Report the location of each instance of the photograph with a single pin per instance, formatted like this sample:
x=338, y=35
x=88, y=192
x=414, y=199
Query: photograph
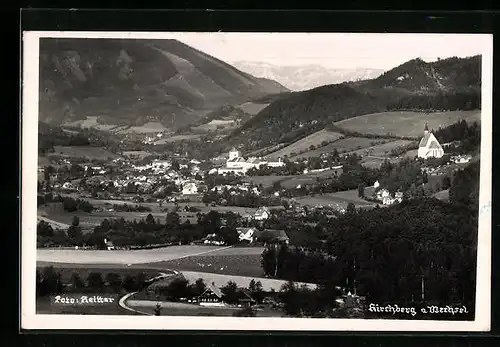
x=256, y=181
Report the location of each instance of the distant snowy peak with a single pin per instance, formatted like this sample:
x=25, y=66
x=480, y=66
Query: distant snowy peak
x=304, y=77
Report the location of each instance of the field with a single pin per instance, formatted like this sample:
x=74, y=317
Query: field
x=137, y=154
x=382, y=150
x=89, y=220
x=238, y=264
x=308, y=178
x=231, y=261
x=443, y=195
x=266, y=181
x=182, y=309
x=340, y=199
x=150, y=127
x=344, y=145
x=252, y=108
x=314, y=139
x=143, y=256
x=176, y=138
x=214, y=125
x=410, y=124
x=83, y=151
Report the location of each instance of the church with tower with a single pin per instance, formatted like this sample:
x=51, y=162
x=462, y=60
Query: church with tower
x=429, y=146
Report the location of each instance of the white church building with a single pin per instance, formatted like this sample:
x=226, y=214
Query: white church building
x=429, y=146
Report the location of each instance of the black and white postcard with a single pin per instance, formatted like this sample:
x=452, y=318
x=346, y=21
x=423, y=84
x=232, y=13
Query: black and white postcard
x=256, y=181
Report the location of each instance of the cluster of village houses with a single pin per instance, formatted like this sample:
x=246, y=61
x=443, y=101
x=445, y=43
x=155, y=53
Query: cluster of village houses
x=144, y=177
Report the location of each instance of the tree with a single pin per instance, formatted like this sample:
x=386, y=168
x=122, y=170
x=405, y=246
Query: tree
x=199, y=287
x=129, y=283
x=173, y=219
x=75, y=233
x=158, y=309
x=44, y=229
x=150, y=219
x=350, y=209
x=361, y=190
x=229, y=235
x=76, y=281
x=50, y=282
x=95, y=281
x=114, y=281
x=255, y=287
x=229, y=292
x=446, y=182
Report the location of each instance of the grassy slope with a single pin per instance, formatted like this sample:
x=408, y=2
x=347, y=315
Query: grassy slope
x=403, y=123
x=314, y=139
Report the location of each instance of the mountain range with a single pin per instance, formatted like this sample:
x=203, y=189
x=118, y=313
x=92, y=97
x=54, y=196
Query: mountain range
x=138, y=81
x=448, y=84
x=304, y=77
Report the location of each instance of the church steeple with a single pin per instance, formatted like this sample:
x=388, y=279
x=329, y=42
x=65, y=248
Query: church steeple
x=426, y=129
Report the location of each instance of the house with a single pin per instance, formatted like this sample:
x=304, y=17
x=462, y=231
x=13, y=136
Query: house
x=243, y=298
x=276, y=163
x=212, y=296
x=261, y=214
x=429, y=146
x=68, y=186
x=246, y=234
x=109, y=244
x=189, y=188
x=376, y=184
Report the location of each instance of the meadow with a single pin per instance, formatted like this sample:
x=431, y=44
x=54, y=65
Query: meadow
x=339, y=199
x=147, y=128
x=230, y=264
x=124, y=257
x=252, y=108
x=214, y=125
x=266, y=181
x=343, y=145
x=305, y=143
x=182, y=309
x=176, y=138
x=308, y=178
x=83, y=152
x=405, y=123
x=382, y=150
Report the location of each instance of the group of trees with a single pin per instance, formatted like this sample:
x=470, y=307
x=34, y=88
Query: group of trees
x=465, y=186
x=50, y=282
x=146, y=232
x=241, y=199
x=296, y=264
x=467, y=135
x=69, y=204
x=402, y=176
x=386, y=254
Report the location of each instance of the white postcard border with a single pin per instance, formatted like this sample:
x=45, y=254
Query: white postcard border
x=31, y=320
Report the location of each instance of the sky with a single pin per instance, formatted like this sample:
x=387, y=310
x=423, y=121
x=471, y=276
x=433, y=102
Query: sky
x=342, y=51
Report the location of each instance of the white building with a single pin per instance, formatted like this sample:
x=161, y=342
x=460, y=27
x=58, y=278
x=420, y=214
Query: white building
x=233, y=154
x=429, y=146
x=261, y=214
x=246, y=234
x=189, y=188
x=278, y=163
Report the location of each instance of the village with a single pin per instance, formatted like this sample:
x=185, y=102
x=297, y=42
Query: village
x=191, y=187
